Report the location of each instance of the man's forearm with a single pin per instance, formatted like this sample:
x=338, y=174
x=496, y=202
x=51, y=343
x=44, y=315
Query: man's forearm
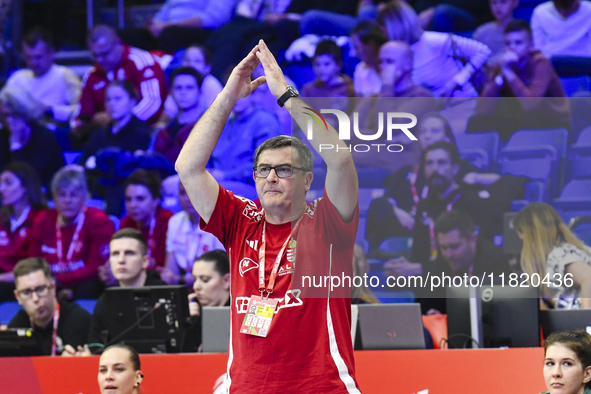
x=322, y=136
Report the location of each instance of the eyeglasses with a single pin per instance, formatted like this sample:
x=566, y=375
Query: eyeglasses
x=41, y=291
x=282, y=171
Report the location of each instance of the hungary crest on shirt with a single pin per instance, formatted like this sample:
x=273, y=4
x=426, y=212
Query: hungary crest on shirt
x=291, y=250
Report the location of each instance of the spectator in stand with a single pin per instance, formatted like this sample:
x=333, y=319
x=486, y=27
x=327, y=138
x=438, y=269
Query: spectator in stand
x=562, y=31
x=185, y=242
x=396, y=65
x=462, y=251
x=116, y=60
x=231, y=161
x=129, y=262
x=23, y=139
x=54, y=322
x=199, y=58
x=492, y=33
x=394, y=214
x=72, y=238
x=252, y=21
x=180, y=23
x=185, y=85
x=441, y=163
x=125, y=130
x=438, y=57
x=22, y=201
x=367, y=38
x=329, y=81
x=48, y=91
x=528, y=75
x=567, y=363
x=551, y=250
x=330, y=23
x=451, y=15
x=142, y=202
x=211, y=276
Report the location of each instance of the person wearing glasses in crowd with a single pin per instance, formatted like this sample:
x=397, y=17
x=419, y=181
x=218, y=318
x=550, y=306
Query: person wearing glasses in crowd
x=54, y=323
x=72, y=238
x=22, y=201
x=300, y=323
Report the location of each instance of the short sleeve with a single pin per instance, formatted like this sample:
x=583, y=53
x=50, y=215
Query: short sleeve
x=563, y=255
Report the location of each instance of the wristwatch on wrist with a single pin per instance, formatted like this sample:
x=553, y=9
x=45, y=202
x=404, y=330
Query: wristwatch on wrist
x=289, y=93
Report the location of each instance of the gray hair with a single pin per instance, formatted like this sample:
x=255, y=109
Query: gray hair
x=305, y=154
x=72, y=174
x=400, y=22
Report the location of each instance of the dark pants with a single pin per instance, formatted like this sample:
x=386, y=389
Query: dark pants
x=171, y=39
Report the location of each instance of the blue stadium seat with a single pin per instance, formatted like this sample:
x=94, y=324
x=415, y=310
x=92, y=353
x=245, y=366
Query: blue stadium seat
x=88, y=305
x=579, y=159
x=116, y=221
x=575, y=84
x=542, y=169
x=70, y=157
x=371, y=177
x=396, y=244
x=96, y=203
x=575, y=199
x=8, y=310
x=366, y=196
x=480, y=149
x=533, y=191
x=533, y=148
x=584, y=138
x=526, y=8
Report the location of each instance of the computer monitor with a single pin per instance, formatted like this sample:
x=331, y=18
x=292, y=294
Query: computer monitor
x=509, y=316
x=16, y=342
x=152, y=319
x=391, y=326
x=557, y=320
x=215, y=322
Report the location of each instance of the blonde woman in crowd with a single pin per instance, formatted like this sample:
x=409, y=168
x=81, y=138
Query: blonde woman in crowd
x=551, y=250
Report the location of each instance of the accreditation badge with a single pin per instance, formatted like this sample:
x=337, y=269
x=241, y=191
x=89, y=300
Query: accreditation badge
x=258, y=316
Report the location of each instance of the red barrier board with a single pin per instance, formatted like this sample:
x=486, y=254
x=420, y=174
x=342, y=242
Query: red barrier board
x=487, y=371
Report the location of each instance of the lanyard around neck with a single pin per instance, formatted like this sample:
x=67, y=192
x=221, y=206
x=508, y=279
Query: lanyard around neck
x=262, y=257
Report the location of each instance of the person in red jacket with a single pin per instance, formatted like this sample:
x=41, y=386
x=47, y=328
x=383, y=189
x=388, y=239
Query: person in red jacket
x=72, y=238
x=116, y=60
x=22, y=201
x=142, y=203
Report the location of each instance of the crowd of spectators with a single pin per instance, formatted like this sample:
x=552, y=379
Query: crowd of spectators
x=125, y=101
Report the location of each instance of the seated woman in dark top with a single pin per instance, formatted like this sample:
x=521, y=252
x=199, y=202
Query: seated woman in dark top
x=23, y=139
x=125, y=130
x=406, y=187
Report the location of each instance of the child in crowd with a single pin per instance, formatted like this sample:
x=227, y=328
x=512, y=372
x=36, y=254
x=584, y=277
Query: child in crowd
x=491, y=33
x=329, y=81
x=526, y=74
x=199, y=58
x=367, y=38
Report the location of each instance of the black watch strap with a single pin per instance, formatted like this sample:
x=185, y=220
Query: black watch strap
x=289, y=93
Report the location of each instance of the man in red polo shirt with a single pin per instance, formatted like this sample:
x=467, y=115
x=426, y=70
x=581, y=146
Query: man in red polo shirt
x=116, y=60
x=284, y=337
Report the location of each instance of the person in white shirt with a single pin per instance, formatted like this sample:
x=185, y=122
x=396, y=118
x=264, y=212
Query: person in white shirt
x=185, y=243
x=49, y=92
x=562, y=28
